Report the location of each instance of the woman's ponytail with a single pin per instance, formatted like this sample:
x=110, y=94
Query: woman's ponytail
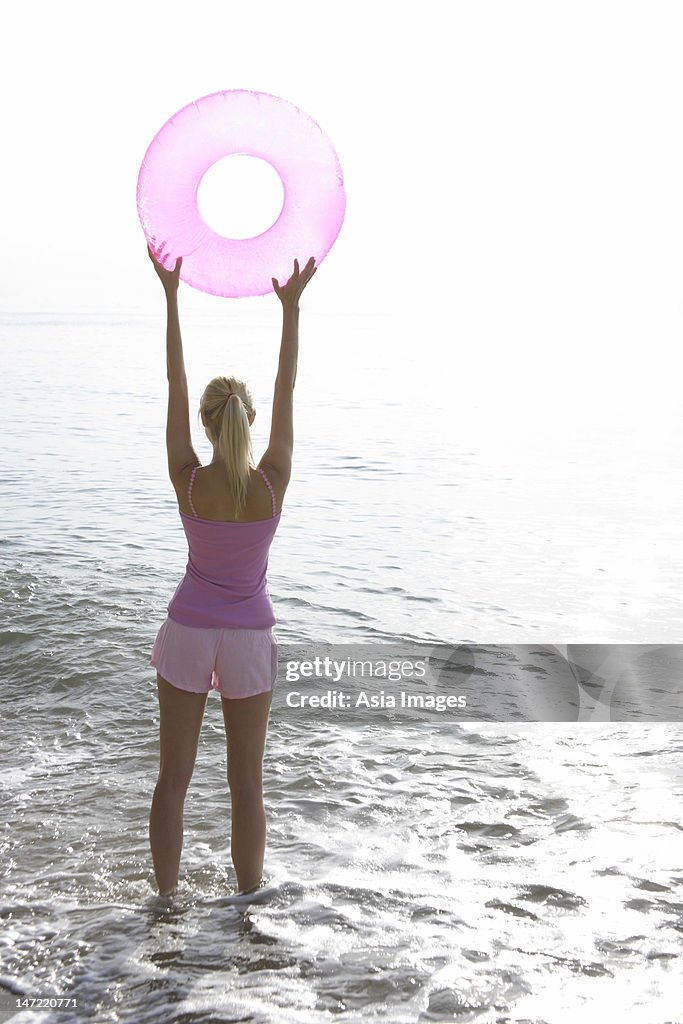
x=226, y=407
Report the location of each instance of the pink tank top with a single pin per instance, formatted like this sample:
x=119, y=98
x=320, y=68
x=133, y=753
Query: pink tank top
x=225, y=584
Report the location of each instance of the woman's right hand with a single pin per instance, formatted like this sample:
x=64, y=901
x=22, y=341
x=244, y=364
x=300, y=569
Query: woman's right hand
x=289, y=293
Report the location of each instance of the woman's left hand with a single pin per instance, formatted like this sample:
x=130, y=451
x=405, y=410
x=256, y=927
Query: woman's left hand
x=169, y=278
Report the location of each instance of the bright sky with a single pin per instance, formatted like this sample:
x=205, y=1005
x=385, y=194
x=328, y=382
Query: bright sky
x=514, y=171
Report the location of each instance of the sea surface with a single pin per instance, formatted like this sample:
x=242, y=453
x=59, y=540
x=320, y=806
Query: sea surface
x=429, y=869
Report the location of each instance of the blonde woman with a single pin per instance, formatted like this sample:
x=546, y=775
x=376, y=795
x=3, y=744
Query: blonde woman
x=218, y=633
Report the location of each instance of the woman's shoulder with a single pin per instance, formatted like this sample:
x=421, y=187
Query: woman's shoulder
x=181, y=477
x=181, y=480
x=277, y=484
x=274, y=474
x=207, y=486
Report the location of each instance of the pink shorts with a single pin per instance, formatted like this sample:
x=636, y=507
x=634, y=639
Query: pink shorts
x=234, y=662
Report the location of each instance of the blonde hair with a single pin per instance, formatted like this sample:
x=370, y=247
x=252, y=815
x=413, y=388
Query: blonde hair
x=227, y=421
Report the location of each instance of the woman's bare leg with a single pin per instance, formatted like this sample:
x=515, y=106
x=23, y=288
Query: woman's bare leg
x=181, y=714
x=246, y=727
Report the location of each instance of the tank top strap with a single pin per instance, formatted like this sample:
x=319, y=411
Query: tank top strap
x=189, y=492
x=269, y=486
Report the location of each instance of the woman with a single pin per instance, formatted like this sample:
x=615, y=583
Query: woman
x=219, y=627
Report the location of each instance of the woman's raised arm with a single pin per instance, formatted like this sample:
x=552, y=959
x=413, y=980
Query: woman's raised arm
x=281, y=443
x=180, y=451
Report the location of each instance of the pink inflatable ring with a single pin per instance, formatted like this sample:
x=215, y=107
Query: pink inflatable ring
x=259, y=125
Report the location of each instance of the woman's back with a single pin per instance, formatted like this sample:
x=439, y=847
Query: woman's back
x=203, y=492
x=225, y=584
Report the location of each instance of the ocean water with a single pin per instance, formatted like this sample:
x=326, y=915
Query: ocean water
x=415, y=871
